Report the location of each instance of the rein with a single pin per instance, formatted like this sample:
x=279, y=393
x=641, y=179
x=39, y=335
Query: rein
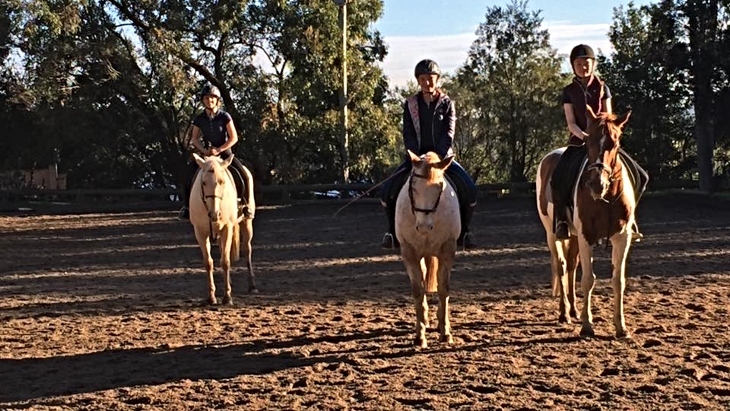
x=367, y=192
x=415, y=209
x=612, y=178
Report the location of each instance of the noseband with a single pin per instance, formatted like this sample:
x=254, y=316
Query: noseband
x=415, y=209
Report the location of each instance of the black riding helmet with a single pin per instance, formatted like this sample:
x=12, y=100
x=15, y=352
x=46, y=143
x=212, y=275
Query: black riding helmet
x=581, y=50
x=427, y=67
x=210, y=90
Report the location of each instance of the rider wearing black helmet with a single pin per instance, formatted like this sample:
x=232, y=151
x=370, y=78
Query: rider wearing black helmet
x=214, y=134
x=586, y=89
x=429, y=120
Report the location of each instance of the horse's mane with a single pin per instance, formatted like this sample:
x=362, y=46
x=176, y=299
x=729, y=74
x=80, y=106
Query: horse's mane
x=431, y=158
x=608, y=120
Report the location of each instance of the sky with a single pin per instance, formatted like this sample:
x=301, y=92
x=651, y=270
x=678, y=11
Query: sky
x=443, y=30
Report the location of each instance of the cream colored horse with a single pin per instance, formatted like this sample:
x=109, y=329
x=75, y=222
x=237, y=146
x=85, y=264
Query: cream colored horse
x=214, y=215
x=427, y=224
x=604, y=207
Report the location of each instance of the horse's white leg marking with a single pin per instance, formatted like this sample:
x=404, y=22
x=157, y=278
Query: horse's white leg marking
x=587, y=283
x=446, y=261
x=203, y=238
x=414, y=268
x=572, y=267
x=246, y=237
x=225, y=249
x=620, y=242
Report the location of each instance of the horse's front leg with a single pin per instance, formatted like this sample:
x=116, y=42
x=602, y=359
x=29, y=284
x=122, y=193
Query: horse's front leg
x=558, y=265
x=572, y=260
x=446, y=261
x=246, y=233
x=416, y=274
x=226, y=237
x=620, y=243
x=203, y=238
x=587, y=283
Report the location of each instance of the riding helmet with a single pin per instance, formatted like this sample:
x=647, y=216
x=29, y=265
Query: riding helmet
x=427, y=66
x=581, y=50
x=210, y=90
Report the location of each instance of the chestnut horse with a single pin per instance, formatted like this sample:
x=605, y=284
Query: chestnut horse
x=427, y=224
x=604, y=207
x=214, y=215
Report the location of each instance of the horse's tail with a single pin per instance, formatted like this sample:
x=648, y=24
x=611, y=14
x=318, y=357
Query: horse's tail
x=432, y=268
x=236, y=243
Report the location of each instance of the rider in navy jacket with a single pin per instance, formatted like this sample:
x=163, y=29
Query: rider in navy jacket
x=429, y=120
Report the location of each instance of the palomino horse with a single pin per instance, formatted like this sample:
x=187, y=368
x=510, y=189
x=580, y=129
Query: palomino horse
x=604, y=208
x=214, y=215
x=427, y=224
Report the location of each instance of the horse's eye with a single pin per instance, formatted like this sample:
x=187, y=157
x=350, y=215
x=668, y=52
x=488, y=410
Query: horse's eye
x=220, y=181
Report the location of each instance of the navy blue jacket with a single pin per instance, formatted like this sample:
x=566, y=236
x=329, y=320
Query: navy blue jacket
x=425, y=131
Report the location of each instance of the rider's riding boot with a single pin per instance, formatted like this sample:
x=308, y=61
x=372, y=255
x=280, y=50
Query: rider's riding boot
x=389, y=239
x=243, y=209
x=390, y=242
x=466, y=239
x=562, y=231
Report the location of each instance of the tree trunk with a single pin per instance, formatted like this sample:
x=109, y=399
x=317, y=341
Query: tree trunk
x=702, y=16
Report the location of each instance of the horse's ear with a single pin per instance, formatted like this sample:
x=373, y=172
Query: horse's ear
x=590, y=113
x=414, y=158
x=622, y=119
x=443, y=164
x=198, y=159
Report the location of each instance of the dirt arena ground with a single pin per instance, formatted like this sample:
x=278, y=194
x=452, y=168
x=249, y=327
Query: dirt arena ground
x=106, y=312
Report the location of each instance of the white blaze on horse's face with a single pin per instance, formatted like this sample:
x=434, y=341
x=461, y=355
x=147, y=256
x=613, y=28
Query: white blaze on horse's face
x=602, y=143
x=213, y=185
x=425, y=187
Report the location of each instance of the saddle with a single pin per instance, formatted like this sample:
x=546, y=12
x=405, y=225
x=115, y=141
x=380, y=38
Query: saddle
x=577, y=164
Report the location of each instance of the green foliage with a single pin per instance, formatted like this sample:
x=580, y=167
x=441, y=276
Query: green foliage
x=508, y=109
x=648, y=74
x=109, y=88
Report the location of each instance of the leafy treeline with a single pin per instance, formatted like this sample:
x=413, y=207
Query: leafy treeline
x=107, y=88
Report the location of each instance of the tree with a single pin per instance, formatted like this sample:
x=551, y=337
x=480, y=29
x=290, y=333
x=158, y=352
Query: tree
x=648, y=74
x=512, y=113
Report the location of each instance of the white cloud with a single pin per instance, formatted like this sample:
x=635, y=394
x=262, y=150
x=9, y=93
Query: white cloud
x=450, y=51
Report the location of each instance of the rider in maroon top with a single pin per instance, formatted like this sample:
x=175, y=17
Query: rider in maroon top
x=586, y=89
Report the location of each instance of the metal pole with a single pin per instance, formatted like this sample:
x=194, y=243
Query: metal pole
x=344, y=138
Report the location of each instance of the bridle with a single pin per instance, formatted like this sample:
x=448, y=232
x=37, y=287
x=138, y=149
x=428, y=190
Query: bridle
x=202, y=192
x=603, y=167
x=415, y=209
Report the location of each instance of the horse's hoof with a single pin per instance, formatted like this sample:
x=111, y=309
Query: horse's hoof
x=447, y=338
x=227, y=301
x=623, y=335
x=212, y=301
x=587, y=332
x=253, y=290
x=564, y=319
x=420, y=342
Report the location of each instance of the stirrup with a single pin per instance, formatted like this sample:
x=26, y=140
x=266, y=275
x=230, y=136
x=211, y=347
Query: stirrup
x=636, y=235
x=184, y=214
x=244, y=211
x=389, y=242
x=466, y=241
x=562, y=231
